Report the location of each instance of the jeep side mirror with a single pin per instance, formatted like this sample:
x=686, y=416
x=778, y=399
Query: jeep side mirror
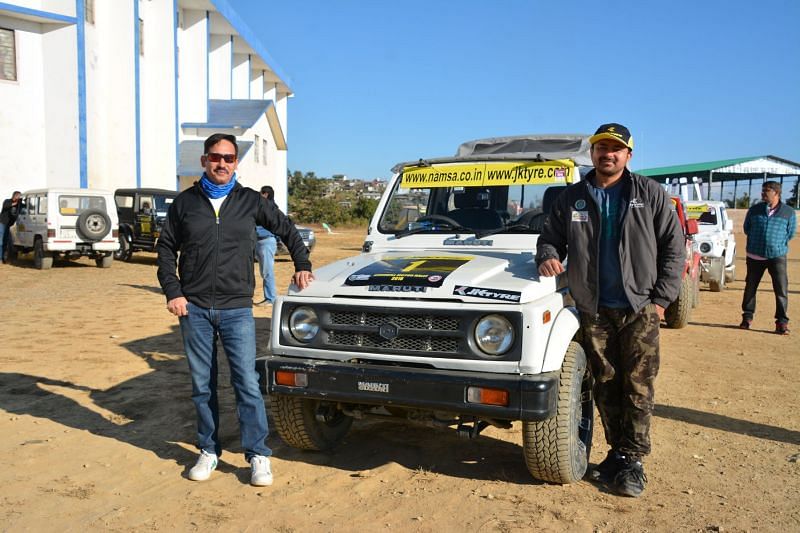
x=692, y=227
x=729, y=225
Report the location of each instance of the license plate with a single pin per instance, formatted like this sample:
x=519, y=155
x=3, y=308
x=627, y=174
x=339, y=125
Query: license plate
x=68, y=234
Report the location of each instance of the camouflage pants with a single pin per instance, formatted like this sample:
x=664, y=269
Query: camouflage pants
x=622, y=347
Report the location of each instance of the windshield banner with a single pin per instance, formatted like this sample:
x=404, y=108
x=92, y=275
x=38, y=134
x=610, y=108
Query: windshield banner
x=697, y=210
x=488, y=174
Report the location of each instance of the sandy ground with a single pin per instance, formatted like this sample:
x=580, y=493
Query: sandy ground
x=98, y=429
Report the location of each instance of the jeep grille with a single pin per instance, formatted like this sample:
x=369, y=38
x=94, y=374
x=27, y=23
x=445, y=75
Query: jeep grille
x=410, y=332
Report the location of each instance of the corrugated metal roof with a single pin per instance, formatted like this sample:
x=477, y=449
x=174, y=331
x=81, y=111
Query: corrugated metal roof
x=190, y=152
x=695, y=167
x=226, y=114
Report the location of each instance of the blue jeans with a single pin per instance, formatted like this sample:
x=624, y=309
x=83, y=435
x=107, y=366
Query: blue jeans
x=3, y=233
x=265, y=248
x=237, y=331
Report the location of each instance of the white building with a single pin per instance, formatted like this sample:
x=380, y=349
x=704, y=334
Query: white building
x=121, y=93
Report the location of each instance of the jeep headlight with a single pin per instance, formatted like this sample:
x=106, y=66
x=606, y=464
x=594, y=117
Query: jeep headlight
x=304, y=324
x=705, y=247
x=494, y=335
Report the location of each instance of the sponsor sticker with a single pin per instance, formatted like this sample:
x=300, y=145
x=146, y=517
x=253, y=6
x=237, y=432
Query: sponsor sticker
x=489, y=294
x=580, y=204
x=580, y=216
x=488, y=174
x=416, y=271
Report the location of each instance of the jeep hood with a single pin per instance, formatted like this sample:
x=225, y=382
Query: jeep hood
x=467, y=276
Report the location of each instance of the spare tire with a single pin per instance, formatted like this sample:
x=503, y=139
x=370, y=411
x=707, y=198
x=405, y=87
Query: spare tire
x=93, y=225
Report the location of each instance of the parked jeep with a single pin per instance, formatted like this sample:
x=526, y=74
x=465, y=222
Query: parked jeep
x=141, y=215
x=65, y=223
x=443, y=318
x=678, y=313
x=309, y=239
x=715, y=241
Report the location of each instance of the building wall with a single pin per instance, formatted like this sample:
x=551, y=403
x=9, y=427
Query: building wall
x=158, y=141
x=61, y=149
x=134, y=102
x=23, y=133
x=192, y=66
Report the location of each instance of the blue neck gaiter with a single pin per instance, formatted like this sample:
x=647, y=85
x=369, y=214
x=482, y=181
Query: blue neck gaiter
x=214, y=191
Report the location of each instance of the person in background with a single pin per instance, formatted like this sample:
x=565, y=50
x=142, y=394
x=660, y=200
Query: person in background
x=8, y=216
x=625, y=251
x=769, y=226
x=212, y=226
x=266, y=245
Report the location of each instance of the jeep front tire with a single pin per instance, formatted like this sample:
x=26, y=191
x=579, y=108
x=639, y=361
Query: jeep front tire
x=557, y=449
x=308, y=424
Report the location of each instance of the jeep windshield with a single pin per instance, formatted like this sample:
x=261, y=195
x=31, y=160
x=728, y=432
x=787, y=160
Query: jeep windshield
x=707, y=217
x=483, y=198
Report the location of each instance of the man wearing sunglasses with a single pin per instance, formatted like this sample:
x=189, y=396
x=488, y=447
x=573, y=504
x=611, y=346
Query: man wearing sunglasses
x=212, y=226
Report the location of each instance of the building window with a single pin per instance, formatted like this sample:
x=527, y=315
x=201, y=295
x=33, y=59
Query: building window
x=88, y=11
x=8, y=55
x=257, y=146
x=141, y=37
x=264, y=145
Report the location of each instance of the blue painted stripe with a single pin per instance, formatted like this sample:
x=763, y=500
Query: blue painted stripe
x=137, y=95
x=82, y=144
x=208, y=62
x=177, y=127
x=47, y=15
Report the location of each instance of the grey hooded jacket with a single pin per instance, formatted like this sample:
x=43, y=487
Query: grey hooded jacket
x=652, y=253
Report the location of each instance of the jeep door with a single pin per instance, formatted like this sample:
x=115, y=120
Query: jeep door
x=27, y=221
x=144, y=207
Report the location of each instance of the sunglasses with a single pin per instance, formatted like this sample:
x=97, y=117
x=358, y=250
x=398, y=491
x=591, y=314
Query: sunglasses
x=216, y=158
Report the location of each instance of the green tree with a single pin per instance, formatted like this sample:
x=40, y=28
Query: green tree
x=792, y=200
x=743, y=202
x=364, y=208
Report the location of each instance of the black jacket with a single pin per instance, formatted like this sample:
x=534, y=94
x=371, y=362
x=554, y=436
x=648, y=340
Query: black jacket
x=7, y=215
x=651, y=248
x=217, y=254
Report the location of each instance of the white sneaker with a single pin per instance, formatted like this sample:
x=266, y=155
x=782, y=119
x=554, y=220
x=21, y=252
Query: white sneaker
x=260, y=471
x=206, y=464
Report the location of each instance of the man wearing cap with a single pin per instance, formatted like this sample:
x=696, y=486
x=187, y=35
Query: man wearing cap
x=625, y=253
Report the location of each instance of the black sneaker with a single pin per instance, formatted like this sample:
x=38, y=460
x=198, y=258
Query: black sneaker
x=607, y=470
x=630, y=480
x=745, y=324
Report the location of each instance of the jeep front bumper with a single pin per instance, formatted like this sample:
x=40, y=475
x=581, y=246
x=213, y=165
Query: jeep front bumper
x=530, y=397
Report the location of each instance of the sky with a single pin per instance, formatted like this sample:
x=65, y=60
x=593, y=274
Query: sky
x=377, y=82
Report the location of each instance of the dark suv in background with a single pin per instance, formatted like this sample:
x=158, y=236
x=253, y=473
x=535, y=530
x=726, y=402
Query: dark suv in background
x=141, y=214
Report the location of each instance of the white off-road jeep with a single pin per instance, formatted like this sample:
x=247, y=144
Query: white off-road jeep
x=443, y=318
x=67, y=223
x=715, y=241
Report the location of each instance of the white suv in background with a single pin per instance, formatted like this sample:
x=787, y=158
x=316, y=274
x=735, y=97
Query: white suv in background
x=66, y=223
x=715, y=242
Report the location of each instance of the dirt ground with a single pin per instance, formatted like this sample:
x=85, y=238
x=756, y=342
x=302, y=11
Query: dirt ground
x=98, y=429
